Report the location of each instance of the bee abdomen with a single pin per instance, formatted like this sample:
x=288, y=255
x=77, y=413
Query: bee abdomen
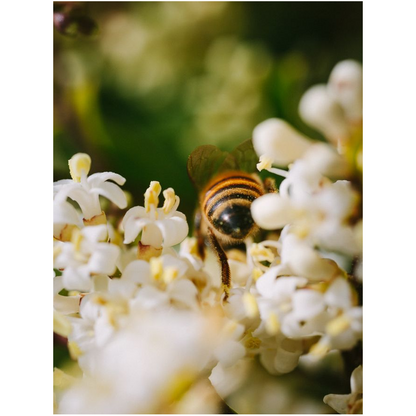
x=227, y=205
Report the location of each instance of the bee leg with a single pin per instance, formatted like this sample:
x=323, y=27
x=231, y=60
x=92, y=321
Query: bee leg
x=270, y=185
x=200, y=238
x=222, y=258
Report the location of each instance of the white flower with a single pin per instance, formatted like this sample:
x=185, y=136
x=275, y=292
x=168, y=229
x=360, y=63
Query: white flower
x=85, y=190
x=84, y=256
x=160, y=227
x=345, y=326
x=275, y=298
x=349, y=403
x=162, y=283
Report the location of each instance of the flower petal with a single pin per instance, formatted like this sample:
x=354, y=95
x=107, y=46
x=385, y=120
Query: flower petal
x=174, y=230
x=271, y=211
x=112, y=192
x=279, y=141
x=96, y=179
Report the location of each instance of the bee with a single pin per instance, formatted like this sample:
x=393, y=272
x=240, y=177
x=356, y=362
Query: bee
x=227, y=187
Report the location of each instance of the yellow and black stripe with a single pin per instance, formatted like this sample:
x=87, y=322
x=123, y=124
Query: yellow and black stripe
x=226, y=203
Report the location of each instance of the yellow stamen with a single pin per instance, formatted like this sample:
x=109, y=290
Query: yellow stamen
x=250, y=305
x=272, y=324
x=264, y=163
x=79, y=164
x=114, y=310
x=151, y=196
x=170, y=273
x=192, y=246
x=256, y=273
x=261, y=253
x=170, y=200
x=156, y=268
x=76, y=239
x=338, y=325
x=252, y=343
x=319, y=349
x=74, y=350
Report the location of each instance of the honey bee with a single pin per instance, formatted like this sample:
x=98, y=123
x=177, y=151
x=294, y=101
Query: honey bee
x=227, y=187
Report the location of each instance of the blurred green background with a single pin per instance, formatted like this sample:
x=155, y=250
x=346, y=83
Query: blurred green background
x=157, y=79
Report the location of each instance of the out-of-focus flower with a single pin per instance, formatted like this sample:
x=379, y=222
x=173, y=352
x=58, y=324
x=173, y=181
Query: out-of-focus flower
x=335, y=109
x=86, y=254
x=349, y=403
x=344, y=325
x=159, y=227
x=135, y=372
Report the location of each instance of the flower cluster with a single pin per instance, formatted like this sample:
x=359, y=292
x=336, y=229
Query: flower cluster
x=143, y=315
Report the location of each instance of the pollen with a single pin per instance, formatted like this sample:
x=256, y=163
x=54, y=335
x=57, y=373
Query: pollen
x=76, y=239
x=250, y=305
x=265, y=162
x=252, y=343
x=170, y=273
x=79, y=164
x=257, y=273
x=319, y=349
x=272, y=324
x=156, y=268
x=261, y=253
x=338, y=325
x=170, y=200
x=151, y=196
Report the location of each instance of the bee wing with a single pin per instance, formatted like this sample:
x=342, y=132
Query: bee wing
x=243, y=157
x=203, y=163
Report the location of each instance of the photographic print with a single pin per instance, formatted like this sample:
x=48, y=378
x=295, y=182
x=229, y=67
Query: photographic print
x=207, y=207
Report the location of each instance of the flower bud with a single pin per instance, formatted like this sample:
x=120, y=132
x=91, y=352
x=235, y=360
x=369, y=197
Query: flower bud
x=346, y=86
x=320, y=110
x=279, y=141
x=271, y=211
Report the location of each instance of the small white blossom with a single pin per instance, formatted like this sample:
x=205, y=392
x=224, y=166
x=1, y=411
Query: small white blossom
x=85, y=190
x=162, y=282
x=160, y=227
x=86, y=254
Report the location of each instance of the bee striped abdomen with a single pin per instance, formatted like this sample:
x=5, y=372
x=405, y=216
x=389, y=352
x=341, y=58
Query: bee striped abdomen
x=227, y=201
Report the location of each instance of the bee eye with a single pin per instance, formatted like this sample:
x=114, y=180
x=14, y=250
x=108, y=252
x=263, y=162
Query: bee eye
x=235, y=221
